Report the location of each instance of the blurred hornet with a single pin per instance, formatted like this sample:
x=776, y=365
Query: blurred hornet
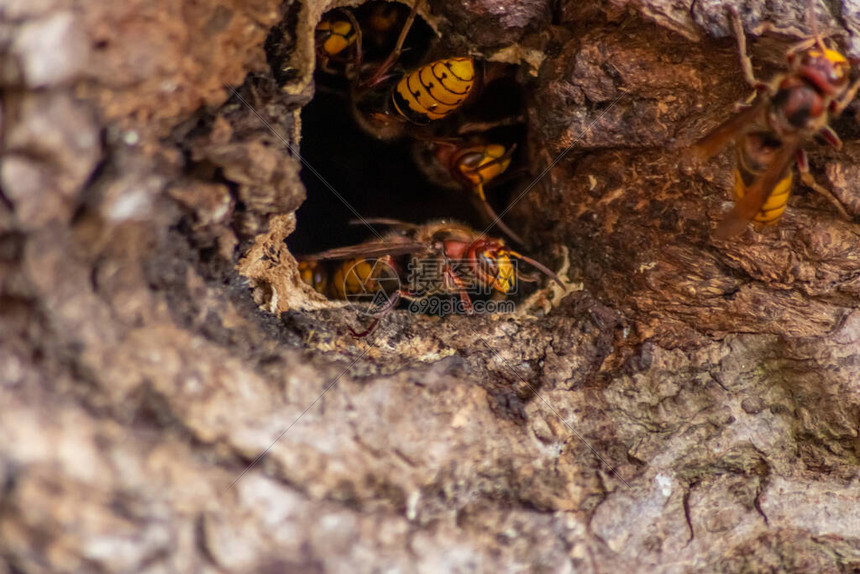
x=385, y=103
x=344, y=37
x=442, y=258
x=338, y=41
x=466, y=164
x=380, y=21
x=791, y=109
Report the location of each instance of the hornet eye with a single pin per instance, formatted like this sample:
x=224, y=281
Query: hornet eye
x=472, y=160
x=489, y=262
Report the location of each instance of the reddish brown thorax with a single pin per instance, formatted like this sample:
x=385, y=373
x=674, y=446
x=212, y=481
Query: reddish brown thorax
x=798, y=101
x=454, y=248
x=484, y=246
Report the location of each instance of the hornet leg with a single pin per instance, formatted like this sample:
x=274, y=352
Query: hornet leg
x=809, y=181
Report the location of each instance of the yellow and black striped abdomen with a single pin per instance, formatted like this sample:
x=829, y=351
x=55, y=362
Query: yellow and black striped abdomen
x=361, y=279
x=434, y=91
x=775, y=204
x=756, y=151
x=334, y=35
x=338, y=279
x=354, y=279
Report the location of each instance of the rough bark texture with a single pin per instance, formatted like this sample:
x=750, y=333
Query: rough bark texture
x=172, y=399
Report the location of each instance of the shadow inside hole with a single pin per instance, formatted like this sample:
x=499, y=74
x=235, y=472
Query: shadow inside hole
x=367, y=178
x=351, y=175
